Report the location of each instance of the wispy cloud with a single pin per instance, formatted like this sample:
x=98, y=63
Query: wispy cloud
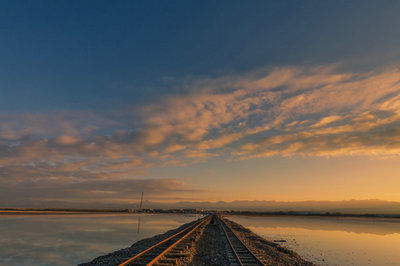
x=285, y=111
x=90, y=193
x=309, y=111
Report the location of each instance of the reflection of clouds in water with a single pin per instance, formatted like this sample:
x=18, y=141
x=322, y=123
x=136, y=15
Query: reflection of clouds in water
x=349, y=224
x=158, y=222
x=28, y=253
x=66, y=240
x=332, y=241
x=98, y=230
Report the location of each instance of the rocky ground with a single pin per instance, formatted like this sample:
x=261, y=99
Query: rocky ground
x=122, y=255
x=211, y=248
x=268, y=252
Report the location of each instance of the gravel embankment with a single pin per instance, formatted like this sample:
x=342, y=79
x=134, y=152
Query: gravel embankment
x=211, y=248
x=268, y=252
x=122, y=255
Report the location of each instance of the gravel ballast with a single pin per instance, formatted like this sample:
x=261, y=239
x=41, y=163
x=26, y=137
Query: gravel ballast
x=119, y=256
x=268, y=252
x=211, y=248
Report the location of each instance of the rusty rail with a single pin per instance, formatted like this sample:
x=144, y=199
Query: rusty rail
x=243, y=255
x=185, y=232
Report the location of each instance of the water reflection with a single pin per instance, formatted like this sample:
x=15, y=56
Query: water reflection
x=332, y=240
x=379, y=226
x=138, y=224
x=72, y=239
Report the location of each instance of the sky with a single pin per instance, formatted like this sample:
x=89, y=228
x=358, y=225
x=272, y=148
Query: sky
x=198, y=101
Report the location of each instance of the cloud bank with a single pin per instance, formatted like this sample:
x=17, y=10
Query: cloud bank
x=287, y=111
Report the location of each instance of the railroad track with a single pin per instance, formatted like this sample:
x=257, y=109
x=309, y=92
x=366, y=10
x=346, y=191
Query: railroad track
x=239, y=254
x=170, y=250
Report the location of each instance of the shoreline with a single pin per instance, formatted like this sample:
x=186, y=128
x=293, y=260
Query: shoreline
x=26, y=211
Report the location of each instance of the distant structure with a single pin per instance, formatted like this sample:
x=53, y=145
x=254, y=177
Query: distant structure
x=141, y=202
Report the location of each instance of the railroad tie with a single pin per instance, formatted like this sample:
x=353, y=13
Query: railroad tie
x=172, y=249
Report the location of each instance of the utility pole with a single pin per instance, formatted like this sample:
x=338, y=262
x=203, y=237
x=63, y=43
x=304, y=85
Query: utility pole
x=141, y=202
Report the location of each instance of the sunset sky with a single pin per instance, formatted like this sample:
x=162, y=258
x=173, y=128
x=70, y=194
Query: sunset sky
x=198, y=101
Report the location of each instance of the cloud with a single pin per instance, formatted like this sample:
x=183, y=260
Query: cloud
x=92, y=192
x=293, y=107
x=66, y=140
x=287, y=111
x=327, y=120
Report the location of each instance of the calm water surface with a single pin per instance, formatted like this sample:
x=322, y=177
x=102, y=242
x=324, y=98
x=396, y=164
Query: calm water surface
x=332, y=240
x=73, y=239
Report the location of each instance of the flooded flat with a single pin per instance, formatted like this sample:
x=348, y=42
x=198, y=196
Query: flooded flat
x=73, y=239
x=332, y=240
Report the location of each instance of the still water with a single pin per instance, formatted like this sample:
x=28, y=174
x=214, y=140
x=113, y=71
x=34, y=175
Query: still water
x=332, y=240
x=73, y=239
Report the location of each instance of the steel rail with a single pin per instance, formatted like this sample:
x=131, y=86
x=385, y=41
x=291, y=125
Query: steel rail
x=194, y=226
x=231, y=245
x=177, y=242
x=240, y=260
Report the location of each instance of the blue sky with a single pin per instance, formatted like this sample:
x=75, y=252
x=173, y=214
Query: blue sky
x=99, y=95
x=69, y=54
